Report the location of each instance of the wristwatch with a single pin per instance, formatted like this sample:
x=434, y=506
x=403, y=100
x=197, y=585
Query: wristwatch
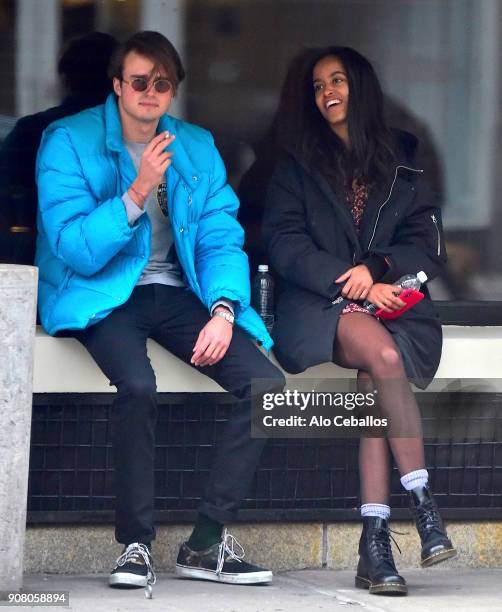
x=225, y=314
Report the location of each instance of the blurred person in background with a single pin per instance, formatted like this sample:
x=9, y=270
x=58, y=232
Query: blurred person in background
x=82, y=69
x=253, y=184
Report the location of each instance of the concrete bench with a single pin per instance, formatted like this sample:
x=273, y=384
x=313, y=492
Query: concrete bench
x=62, y=365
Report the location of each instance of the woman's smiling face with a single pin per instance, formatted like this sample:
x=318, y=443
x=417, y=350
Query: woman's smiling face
x=331, y=91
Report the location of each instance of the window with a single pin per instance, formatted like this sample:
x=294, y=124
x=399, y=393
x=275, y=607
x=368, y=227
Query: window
x=439, y=62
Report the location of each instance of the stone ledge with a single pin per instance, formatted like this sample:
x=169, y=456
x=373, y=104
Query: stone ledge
x=93, y=549
x=279, y=546
x=62, y=365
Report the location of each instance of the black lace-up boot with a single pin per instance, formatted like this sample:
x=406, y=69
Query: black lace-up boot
x=376, y=570
x=436, y=546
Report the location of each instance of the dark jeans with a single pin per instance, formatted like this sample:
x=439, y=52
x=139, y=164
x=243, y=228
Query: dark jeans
x=172, y=316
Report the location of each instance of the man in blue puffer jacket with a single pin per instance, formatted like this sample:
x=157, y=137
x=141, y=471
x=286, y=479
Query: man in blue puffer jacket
x=138, y=238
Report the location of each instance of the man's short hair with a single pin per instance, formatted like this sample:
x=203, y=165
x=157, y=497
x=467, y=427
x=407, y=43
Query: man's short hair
x=154, y=46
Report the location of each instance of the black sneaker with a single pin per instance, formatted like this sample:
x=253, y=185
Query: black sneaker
x=220, y=563
x=133, y=569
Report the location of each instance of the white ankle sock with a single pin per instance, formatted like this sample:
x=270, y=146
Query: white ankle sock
x=380, y=510
x=418, y=478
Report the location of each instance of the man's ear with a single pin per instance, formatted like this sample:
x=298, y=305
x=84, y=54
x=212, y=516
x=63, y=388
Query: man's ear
x=117, y=88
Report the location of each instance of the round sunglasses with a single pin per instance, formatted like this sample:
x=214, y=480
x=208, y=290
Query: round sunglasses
x=142, y=84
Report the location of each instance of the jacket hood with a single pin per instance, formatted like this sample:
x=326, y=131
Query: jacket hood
x=407, y=146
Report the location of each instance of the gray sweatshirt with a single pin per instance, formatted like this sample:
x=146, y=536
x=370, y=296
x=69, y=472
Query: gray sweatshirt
x=163, y=266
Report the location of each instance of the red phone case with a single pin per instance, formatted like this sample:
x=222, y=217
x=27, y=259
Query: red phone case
x=410, y=296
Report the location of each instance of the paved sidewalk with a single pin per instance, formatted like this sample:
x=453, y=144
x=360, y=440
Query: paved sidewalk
x=433, y=590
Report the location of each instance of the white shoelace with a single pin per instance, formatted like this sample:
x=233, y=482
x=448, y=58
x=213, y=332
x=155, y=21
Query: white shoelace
x=226, y=547
x=132, y=553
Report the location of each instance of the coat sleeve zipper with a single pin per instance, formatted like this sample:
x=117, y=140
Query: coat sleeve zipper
x=337, y=300
x=434, y=220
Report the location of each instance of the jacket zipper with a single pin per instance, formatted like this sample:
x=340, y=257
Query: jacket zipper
x=435, y=221
x=388, y=198
x=339, y=299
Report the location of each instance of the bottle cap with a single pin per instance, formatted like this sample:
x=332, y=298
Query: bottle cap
x=262, y=268
x=422, y=276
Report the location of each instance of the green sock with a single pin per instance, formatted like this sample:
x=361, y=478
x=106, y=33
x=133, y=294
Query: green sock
x=205, y=533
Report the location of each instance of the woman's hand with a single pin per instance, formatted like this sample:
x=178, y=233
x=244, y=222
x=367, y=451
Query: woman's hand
x=359, y=282
x=385, y=296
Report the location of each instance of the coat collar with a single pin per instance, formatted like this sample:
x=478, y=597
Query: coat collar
x=181, y=161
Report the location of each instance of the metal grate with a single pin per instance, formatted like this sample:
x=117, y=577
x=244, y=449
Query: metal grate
x=71, y=473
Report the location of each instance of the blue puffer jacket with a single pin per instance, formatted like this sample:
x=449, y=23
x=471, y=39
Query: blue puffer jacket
x=89, y=257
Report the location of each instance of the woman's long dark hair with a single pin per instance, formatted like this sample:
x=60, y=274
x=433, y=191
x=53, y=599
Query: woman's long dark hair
x=299, y=127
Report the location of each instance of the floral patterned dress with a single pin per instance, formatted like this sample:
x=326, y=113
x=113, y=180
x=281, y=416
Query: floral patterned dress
x=356, y=201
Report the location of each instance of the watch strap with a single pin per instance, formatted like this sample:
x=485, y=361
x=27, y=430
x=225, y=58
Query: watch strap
x=228, y=316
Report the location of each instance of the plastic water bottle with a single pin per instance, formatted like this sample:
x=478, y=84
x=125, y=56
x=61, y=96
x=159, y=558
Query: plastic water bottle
x=408, y=281
x=262, y=296
x=412, y=281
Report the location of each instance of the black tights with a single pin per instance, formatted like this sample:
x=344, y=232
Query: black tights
x=363, y=343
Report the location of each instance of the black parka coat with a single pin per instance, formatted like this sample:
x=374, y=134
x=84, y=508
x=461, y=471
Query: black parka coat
x=311, y=240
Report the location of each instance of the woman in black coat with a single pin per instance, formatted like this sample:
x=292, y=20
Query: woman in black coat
x=347, y=214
